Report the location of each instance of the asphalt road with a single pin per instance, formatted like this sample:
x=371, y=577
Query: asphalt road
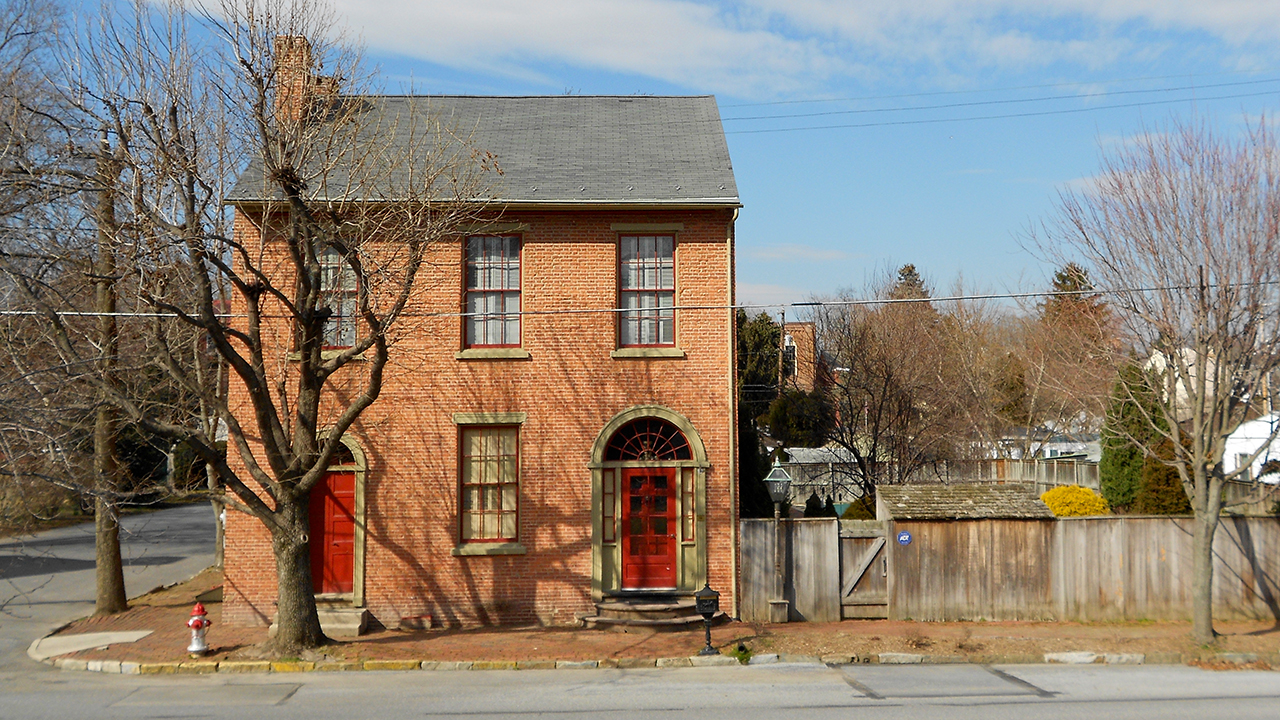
x=47, y=579
x=922, y=692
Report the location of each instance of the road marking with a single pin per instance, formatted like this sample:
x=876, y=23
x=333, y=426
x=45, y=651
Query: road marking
x=1019, y=682
x=868, y=692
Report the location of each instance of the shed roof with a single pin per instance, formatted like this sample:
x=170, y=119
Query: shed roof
x=562, y=150
x=965, y=501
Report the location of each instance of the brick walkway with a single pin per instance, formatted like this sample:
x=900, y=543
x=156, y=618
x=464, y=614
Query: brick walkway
x=166, y=611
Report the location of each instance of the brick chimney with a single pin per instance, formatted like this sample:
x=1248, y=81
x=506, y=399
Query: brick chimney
x=293, y=75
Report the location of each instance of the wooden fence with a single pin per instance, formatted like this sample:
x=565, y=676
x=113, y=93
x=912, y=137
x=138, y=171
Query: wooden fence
x=1104, y=568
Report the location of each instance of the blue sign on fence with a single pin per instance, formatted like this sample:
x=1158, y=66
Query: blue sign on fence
x=904, y=538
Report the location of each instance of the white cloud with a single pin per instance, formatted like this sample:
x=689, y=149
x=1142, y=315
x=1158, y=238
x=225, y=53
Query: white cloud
x=794, y=252
x=767, y=294
x=687, y=43
x=785, y=47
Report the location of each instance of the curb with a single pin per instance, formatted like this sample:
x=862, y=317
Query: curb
x=192, y=667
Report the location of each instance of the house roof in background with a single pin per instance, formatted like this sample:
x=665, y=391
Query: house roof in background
x=962, y=501
x=558, y=150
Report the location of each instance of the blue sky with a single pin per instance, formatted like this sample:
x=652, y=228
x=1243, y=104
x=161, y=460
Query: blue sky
x=828, y=208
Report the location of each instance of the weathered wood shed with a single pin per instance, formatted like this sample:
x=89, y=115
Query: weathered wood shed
x=968, y=551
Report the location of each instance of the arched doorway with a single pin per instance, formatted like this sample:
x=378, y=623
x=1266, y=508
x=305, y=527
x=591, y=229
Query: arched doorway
x=336, y=510
x=649, y=534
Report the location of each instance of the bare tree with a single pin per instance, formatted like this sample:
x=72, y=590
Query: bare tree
x=897, y=399
x=340, y=187
x=1183, y=226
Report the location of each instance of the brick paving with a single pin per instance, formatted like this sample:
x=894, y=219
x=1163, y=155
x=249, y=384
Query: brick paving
x=166, y=611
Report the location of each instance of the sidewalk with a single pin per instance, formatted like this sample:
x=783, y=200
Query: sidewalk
x=234, y=649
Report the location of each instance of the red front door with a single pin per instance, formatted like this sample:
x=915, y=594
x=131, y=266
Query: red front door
x=333, y=533
x=649, y=528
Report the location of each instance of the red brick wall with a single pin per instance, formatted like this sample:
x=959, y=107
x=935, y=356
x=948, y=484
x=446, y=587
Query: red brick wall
x=570, y=387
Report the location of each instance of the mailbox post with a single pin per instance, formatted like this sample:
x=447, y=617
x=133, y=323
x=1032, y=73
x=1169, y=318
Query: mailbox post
x=707, y=603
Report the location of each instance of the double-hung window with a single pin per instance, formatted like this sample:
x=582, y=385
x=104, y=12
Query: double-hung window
x=338, y=289
x=493, y=291
x=490, y=485
x=647, y=290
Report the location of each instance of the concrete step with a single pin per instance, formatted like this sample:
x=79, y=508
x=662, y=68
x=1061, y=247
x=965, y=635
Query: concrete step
x=338, y=622
x=647, y=609
x=675, y=624
x=343, y=622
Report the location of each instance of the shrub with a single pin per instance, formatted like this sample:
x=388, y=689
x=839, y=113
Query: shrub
x=1074, y=501
x=863, y=508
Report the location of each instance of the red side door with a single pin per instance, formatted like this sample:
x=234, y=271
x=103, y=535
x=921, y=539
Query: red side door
x=333, y=533
x=649, y=528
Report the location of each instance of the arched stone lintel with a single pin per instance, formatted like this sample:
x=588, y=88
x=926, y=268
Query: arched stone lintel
x=361, y=467
x=643, y=411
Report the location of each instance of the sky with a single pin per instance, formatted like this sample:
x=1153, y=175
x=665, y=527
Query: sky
x=868, y=134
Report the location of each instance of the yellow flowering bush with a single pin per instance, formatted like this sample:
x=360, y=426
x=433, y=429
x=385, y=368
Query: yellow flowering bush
x=1075, y=501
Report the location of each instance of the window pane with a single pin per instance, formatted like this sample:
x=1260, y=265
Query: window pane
x=493, y=291
x=489, y=470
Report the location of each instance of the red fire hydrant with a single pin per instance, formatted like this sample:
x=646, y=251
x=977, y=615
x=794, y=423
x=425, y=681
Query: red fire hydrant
x=199, y=624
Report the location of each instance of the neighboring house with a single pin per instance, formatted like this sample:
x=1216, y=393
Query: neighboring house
x=1043, y=443
x=829, y=471
x=527, y=463
x=1247, y=439
x=799, y=356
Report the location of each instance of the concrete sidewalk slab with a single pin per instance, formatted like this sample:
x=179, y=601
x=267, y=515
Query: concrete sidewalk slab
x=46, y=647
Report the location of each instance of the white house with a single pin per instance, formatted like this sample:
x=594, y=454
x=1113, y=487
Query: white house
x=1246, y=439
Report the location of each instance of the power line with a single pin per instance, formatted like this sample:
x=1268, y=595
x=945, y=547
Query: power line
x=1013, y=101
x=995, y=117
x=739, y=306
x=937, y=93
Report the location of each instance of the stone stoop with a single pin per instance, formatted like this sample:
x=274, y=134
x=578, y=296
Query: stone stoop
x=338, y=621
x=652, y=613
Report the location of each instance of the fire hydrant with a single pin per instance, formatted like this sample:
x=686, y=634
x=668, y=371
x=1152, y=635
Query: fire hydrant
x=199, y=624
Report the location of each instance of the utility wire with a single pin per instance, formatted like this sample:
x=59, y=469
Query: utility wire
x=1040, y=113
x=1013, y=101
x=976, y=91
x=739, y=306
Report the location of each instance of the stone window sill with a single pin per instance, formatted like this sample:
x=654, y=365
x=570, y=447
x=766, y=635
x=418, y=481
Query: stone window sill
x=647, y=352
x=325, y=355
x=492, y=354
x=475, y=549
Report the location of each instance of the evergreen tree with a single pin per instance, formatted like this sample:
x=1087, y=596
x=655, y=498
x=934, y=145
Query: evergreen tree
x=1124, y=433
x=759, y=340
x=813, y=506
x=1161, y=491
x=1082, y=313
x=801, y=419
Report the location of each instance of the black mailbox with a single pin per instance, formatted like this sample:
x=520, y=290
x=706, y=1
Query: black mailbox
x=707, y=602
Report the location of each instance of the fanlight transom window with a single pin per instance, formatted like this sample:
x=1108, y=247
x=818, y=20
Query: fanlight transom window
x=648, y=439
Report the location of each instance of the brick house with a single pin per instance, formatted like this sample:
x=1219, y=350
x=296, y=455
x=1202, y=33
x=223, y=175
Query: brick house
x=563, y=432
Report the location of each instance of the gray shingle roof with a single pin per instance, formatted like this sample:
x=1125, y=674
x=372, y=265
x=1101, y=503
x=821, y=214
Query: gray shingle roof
x=961, y=502
x=641, y=150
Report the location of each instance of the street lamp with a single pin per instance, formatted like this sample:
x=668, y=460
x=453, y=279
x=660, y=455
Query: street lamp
x=779, y=484
x=707, y=602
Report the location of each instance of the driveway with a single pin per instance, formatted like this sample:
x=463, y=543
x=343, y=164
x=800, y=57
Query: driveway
x=47, y=579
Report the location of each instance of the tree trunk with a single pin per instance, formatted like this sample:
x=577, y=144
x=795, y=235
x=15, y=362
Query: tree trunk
x=219, y=532
x=110, y=597
x=297, y=624
x=1202, y=578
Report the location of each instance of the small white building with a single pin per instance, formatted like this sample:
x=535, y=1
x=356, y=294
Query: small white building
x=1246, y=439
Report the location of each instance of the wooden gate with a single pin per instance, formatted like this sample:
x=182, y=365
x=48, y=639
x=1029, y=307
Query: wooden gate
x=864, y=569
